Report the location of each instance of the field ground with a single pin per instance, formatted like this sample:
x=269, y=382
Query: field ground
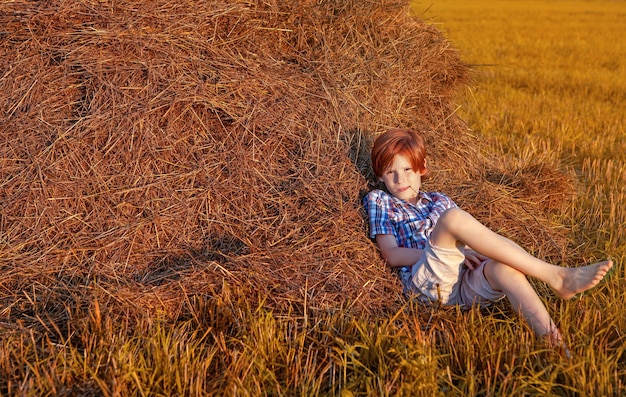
x=550, y=83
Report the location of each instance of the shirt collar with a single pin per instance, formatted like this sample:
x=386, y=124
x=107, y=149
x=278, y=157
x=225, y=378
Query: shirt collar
x=422, y=195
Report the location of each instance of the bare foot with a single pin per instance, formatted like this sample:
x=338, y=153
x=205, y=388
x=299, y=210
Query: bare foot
x=562, y=349
x=556, y=343
x=575, y=280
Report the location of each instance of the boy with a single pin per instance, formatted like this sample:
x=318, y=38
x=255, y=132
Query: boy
x=446, y=255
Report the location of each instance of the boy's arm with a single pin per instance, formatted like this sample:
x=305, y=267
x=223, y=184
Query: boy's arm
x=394, y=255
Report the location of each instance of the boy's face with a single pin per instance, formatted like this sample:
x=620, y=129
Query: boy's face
x=401, y=180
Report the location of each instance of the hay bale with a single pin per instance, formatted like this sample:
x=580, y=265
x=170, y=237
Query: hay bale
x=167, y=149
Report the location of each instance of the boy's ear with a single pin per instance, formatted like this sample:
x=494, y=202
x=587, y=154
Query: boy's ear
x=424, y=170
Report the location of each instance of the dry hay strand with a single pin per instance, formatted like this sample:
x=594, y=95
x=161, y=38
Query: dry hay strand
x=169, y=148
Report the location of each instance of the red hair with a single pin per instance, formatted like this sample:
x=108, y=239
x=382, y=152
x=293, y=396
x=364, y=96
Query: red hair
x=406, y=142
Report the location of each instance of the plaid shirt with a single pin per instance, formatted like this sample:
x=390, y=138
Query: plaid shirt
x=410, y=224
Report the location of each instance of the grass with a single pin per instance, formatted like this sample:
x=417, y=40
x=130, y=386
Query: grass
x=550, y=83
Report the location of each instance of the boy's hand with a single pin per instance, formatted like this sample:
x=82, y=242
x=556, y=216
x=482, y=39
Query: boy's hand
x=473, y=259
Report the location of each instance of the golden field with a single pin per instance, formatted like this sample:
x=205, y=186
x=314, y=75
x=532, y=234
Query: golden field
x=550, y=83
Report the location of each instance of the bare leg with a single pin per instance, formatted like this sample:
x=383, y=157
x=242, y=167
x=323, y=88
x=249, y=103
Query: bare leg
x=522, y=296
x=456, y=225
x=525, y=302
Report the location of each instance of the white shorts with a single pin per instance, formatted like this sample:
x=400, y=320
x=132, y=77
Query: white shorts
x=441, y=276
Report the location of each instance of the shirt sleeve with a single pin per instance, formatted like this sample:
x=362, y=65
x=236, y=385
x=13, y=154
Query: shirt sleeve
x=378, y=207
x=441, y=203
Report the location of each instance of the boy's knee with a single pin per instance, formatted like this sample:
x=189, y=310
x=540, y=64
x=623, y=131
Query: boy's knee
x=452, y=216
x=455, y=219
x=496, y=272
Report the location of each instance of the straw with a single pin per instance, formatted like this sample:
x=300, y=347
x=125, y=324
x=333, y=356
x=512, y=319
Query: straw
x=156, y=150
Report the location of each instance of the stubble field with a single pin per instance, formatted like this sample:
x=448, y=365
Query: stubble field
x=550, y=84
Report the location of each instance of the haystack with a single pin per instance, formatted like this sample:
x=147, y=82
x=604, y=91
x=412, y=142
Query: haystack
x=157, y=151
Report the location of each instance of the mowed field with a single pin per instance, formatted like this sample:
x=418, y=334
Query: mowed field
x=550, y=83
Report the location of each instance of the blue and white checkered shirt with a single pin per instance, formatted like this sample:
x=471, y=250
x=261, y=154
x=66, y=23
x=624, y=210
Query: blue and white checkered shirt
x=410, y=224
